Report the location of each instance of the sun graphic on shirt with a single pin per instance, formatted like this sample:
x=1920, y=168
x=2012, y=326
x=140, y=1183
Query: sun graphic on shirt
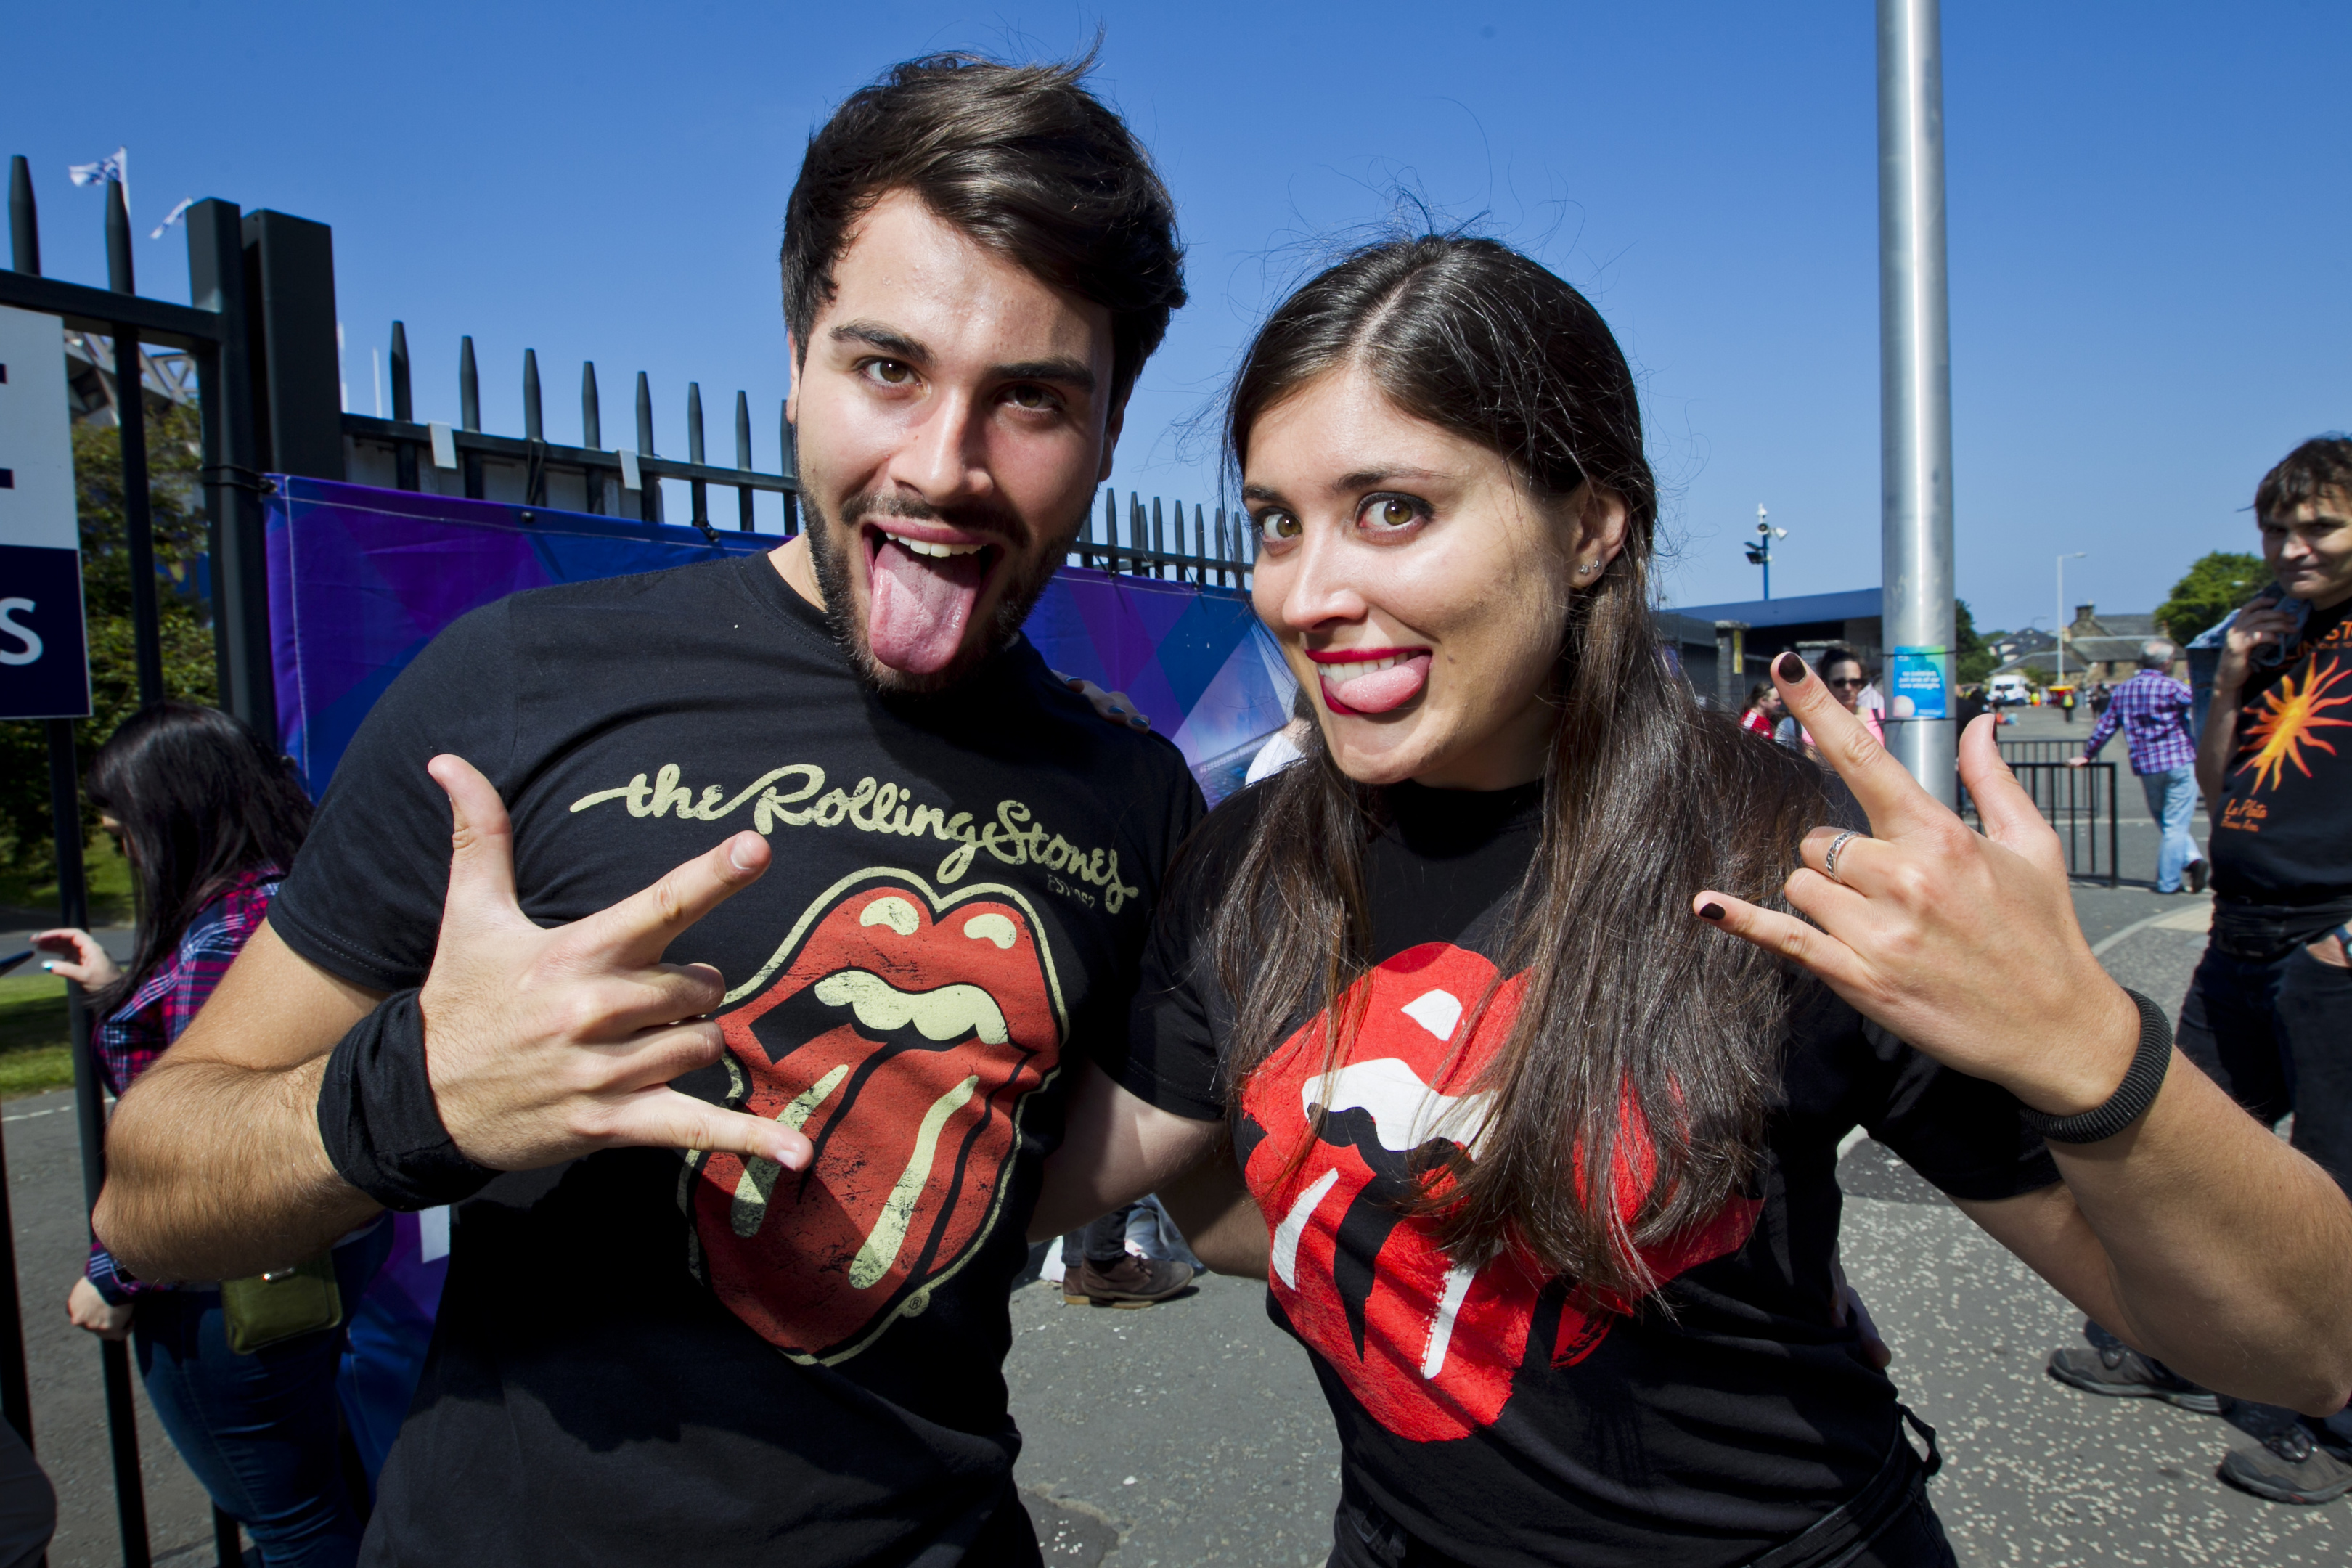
x=2290, y=714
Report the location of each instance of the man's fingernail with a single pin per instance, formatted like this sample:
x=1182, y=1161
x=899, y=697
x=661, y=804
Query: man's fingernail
x=1790, y=668
x=1710, y=911
x=739, y=854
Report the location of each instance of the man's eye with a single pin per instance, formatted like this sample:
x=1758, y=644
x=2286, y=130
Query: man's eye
x=1389, y=512
x=890, y=371
x=1034, y=398
x=1276, y=526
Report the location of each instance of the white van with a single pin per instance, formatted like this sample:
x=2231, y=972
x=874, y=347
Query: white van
x=2008, y=690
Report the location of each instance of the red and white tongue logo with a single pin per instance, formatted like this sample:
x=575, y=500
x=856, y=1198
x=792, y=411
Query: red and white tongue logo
x=920, y=604
x=1428, y=1344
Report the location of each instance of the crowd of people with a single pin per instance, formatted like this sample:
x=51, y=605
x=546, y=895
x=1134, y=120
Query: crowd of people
x=1508, y=1032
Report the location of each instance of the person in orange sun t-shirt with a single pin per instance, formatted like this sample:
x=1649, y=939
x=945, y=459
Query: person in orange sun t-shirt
x=2268, y=1016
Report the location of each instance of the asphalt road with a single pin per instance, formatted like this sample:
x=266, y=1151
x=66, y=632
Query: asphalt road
x=1193, y=1433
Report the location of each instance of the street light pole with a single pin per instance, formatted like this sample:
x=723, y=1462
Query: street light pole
x=1916, y=392
x=2059, y=621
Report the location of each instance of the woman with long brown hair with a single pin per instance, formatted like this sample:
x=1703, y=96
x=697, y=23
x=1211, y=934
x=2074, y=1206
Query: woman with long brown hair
x=1503, y=999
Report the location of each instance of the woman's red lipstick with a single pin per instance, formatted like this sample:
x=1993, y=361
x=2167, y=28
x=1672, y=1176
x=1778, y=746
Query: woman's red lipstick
x=1381, y=690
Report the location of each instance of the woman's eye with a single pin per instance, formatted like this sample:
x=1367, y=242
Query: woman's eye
x=1277, y=526
x=1390, y=512
x=890, y=371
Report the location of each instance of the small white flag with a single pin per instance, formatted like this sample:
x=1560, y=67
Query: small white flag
x=174, y=215
x=105, y=169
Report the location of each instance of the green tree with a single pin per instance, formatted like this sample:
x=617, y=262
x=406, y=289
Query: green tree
x=1971, y=660
x=2217, y=584
x=185, y=619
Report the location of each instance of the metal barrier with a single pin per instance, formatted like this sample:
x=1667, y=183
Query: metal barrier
x=2079, y=801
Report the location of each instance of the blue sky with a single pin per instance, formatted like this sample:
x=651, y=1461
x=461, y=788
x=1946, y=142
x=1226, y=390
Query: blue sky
x=2147, y=222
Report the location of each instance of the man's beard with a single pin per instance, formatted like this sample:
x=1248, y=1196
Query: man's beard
x=834, y=580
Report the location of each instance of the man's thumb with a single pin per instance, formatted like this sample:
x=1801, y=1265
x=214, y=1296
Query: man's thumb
x=481, y=838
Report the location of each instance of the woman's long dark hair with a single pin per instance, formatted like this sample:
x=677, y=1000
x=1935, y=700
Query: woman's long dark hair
x=202, y=801
x=1630, y=1003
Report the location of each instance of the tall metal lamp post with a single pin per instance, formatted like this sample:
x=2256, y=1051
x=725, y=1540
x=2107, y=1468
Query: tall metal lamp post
x=1760, y=552
x=1916, y=392
x=2059, y=625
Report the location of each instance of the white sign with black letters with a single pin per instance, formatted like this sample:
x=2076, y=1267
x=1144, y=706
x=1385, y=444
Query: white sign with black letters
x=44, y=658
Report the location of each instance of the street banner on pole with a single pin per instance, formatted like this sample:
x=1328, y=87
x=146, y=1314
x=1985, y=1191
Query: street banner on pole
x=43, y=654
x=1922, y=678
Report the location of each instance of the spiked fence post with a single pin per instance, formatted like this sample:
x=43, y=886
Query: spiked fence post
x=24, y=219
x=742, y=461
x=130, y=422
x=591, y=432
x=788, y=463
x=534, y=483
x=404, y=410
x=649, y=499
x=700, y=491
x=469, y=412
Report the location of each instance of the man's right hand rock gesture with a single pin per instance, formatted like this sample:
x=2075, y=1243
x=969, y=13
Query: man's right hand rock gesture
x=545, y=1044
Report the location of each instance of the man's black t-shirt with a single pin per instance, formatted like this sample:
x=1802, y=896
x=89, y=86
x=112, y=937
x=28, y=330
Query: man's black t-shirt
x=2283, y=832
x=646, y=1357
x=1487, y=1408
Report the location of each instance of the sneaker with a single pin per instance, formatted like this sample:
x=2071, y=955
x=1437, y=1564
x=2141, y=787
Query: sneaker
x=2196, y=873
x=2125, y=1373
x=2287, y=1466
x=1130, y=1282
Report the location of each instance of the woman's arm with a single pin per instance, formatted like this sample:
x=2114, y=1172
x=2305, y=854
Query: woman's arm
x=1116, y=1147
x=2192, y=1228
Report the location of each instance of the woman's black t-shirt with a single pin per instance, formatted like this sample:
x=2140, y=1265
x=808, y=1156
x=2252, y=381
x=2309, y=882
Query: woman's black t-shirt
x=1484, y=1407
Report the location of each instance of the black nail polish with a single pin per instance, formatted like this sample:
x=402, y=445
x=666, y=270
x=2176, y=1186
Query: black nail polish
x=1790, y=668
x=1710, y=911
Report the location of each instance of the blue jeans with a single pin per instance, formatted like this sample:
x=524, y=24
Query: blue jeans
x=258, y=1431
x=2172, y=801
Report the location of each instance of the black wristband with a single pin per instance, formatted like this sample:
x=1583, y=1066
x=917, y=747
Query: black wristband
x=2132, y=1097
x=377, y=1118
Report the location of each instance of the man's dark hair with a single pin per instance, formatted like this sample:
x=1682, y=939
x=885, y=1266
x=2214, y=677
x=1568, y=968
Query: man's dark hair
x=1023, y=159
x=2322, y=463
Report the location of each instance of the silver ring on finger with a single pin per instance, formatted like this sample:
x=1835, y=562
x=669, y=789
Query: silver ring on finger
x=1830, y=860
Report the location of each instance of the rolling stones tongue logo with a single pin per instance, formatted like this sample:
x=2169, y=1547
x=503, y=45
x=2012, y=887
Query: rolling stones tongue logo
x=902, y=1034
x=1428, y=1344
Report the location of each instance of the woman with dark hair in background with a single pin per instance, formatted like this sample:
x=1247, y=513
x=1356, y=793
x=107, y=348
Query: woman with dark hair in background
x=1542, y=1152
x=209, y=818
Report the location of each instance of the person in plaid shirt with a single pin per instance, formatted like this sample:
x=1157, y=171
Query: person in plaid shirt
x=2152, y=709
x=209, y=818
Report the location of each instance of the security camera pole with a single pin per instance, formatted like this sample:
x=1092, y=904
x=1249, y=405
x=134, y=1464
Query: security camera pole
x=1760, y=552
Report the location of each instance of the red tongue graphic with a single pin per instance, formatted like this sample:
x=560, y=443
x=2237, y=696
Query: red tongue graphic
x=920, y=606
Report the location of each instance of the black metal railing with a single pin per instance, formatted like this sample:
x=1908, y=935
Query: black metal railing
x=2078, y=801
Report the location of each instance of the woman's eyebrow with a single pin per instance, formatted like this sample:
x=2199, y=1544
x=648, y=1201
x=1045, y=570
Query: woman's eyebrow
x=1366, y=479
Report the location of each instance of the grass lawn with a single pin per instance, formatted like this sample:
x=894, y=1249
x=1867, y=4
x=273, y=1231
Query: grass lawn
x=36, y=1044
x=104, y=870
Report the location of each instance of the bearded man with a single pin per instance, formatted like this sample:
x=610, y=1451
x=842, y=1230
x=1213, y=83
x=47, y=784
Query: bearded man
x=912, y=876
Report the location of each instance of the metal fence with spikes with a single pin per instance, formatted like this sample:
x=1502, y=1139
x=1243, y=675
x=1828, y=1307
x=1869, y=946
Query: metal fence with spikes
x=1222, y=547
x=400, y=453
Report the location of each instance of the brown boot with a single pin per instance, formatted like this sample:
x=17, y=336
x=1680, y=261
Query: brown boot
x=1130, y=1282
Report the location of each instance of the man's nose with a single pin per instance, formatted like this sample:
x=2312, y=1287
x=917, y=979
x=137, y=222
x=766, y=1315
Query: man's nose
x=945, y=457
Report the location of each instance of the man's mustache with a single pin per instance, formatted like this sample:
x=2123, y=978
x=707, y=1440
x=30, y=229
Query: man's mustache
x=976, y=517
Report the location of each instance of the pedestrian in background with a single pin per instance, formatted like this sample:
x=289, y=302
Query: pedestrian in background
x=2152, y=711
x=1765, y=712
x=209, y=818
x=2268, y=1013
x=1844, y=672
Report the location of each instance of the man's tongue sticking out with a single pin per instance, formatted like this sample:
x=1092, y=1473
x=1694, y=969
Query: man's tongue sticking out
x=920, y=606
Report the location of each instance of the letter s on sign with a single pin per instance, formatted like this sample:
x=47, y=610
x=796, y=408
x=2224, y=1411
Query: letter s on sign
x=26, y=634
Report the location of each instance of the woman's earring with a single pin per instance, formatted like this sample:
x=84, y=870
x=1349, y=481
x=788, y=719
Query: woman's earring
x=1587, y=570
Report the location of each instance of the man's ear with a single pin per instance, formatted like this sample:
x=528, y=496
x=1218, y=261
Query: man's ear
x=1113, y=422
x=793, y=366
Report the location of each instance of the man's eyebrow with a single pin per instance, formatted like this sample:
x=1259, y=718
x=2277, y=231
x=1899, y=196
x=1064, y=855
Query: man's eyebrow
x=1059, y=371
x=873, y=334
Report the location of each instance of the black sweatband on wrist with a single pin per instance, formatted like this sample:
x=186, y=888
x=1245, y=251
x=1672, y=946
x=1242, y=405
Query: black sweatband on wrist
x=377, y=1118
x=2132, y=1097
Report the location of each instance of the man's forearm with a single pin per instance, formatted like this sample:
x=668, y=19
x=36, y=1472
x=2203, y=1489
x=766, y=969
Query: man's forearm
x=216, y=1172
x=2215, y=744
